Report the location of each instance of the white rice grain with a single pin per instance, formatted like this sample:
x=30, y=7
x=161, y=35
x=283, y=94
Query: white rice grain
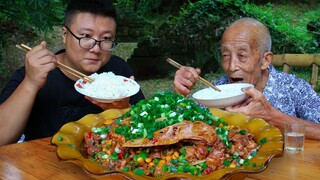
x=108, y=85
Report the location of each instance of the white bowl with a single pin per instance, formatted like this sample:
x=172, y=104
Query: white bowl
x=125, y=87
x=230, y=95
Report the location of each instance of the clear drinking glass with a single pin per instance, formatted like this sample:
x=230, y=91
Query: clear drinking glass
x=294, y=133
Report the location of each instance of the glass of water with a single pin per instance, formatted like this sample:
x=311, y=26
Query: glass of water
x=294, y=133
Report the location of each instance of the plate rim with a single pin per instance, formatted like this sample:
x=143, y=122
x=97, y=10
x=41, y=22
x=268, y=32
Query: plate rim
x=111, y=113
x=136, y=90
x=219, y=98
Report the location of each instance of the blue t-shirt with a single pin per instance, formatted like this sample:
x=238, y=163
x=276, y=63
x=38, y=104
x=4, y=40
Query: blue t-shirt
x=289, y=94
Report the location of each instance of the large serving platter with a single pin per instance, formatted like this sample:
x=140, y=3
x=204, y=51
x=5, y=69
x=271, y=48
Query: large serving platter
x=70, y=137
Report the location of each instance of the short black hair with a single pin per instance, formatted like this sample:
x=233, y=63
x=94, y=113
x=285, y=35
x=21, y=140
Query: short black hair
x=97, y=7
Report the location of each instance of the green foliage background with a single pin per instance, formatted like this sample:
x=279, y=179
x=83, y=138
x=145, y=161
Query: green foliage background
x=25, y=20
x=196, y=25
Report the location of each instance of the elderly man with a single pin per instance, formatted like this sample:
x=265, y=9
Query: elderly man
x=276, y=97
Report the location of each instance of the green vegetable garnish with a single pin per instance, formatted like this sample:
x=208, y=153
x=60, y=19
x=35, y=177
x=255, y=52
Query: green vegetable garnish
x=101, y=130
x=246, y=163
x=156, y=160
x=165, y=168
x=162, y=110
x=125, y=169
x=173, y=169
x=223, y=134
x=226, y=163
x=242, y=132
x=263, y=140
x=114, y=156
x=180, y=168
x=72, y=145
x=138, y=171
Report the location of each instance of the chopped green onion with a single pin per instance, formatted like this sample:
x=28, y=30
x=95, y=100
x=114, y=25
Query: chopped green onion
x=246, y=163
x=105, y=156
x=254, y=153
x=165, y=168
x=171, y=107
x=60, y=138
x=183, y=151
x=114, y=156
x=144, y=154
x=125, y=169
x=174, y=161
x=242, y=132
x=156, y=160
x=152, y=169
x=180, y=168
x=173, y=169
x=138, y=171
x=118, y=120
x=145, y=134
x=72, y=145
x=263, y=140
x=226, y=163
x=203, y=165
x=241, y=161
x=235, y=155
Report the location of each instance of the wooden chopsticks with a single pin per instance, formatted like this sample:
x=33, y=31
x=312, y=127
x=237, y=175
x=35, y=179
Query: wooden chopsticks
x=68, y=69
x=177, y=65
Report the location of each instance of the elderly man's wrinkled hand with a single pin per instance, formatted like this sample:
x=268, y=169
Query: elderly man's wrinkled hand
x=255, y=106
x=185, y=78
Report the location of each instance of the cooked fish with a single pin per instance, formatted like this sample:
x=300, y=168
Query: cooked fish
x=177, y=132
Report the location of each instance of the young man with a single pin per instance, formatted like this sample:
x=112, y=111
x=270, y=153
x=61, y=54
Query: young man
x=276, y=97
x=40, y=98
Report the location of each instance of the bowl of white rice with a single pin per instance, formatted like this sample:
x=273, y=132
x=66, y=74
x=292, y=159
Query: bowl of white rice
x=231, y=94
x=107, y=87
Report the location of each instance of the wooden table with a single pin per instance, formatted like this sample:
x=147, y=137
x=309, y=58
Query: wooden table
x=294, y=165
x=37, y=160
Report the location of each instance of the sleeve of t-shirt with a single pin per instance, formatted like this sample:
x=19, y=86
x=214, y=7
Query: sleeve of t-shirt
x=307, y=101
x=120, y=67
x=13, y=82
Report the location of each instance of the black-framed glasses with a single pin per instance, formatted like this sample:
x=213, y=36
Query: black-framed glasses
x=88, y=43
